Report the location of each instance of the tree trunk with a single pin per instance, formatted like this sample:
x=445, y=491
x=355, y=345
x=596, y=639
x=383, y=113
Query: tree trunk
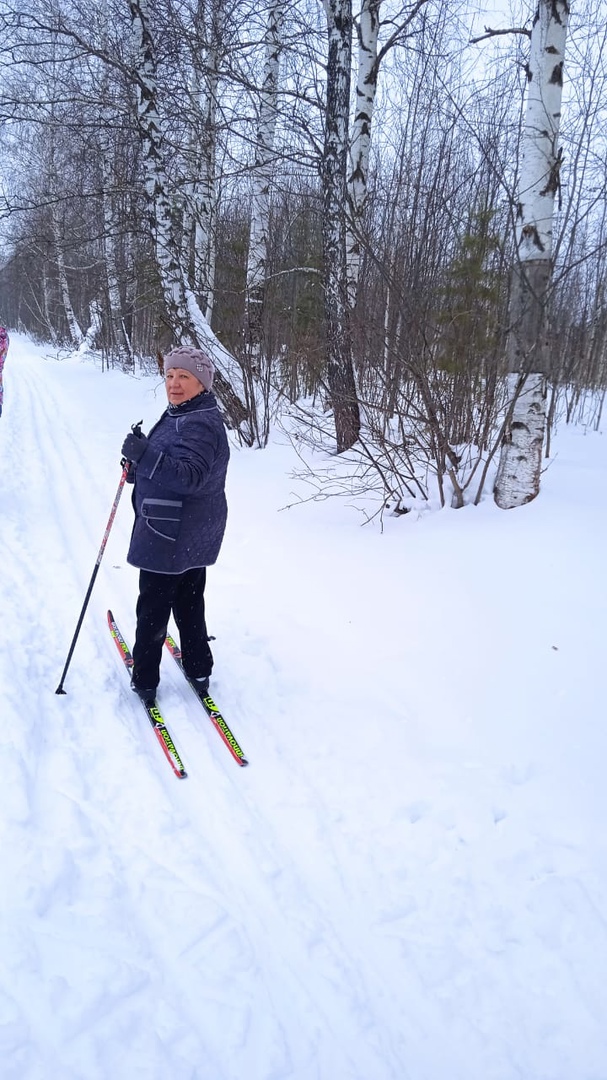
x=518, y=474
x=200, y=191
x=46, y=305
x=340, y=372
x=118, y=332
x=369, y=59
x=262, y=176
x=76, y=335
x=75, y=331
x=366, y=89
x=188, y=323
x=519, y=469
x=90, y=338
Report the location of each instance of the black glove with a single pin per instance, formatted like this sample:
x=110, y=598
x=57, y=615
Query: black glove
x=134, y=447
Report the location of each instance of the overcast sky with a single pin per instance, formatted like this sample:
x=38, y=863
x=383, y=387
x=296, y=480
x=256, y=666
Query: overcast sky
x=502, y=13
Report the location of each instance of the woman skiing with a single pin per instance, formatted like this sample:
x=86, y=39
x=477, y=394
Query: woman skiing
x=179, y=473
x=4, y=341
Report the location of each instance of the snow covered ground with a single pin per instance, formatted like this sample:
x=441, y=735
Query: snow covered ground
x=409, y=882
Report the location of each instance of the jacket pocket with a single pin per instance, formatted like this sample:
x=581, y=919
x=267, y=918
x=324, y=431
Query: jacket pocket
x=163, y=517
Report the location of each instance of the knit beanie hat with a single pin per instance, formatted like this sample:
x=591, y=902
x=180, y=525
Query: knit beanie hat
x=193, y=360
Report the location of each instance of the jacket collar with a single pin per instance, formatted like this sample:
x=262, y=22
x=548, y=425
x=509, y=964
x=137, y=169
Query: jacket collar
x=204, y=400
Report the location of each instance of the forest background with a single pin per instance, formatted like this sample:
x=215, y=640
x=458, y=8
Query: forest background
x=331, y=201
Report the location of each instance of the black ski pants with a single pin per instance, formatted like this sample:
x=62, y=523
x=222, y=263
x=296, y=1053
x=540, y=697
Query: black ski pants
x=159, y=595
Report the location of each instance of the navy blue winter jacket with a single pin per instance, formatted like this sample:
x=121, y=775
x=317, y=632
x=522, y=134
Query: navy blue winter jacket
x=179, y=494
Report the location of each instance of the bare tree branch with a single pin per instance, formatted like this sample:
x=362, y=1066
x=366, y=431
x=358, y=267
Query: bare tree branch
x=489, y=33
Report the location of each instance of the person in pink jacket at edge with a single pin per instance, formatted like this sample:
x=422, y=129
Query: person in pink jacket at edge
x=3, y=352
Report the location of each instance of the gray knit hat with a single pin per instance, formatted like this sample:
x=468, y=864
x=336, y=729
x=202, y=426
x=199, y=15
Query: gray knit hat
x=192, y=360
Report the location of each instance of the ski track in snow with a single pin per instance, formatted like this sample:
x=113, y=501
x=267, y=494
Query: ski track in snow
x=399, y=886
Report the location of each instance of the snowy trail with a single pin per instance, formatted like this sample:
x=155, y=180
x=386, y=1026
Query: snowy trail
x=407, y=882
x=252, y=926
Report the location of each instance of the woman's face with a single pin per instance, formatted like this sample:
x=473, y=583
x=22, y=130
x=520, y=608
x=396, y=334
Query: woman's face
x=181, y=385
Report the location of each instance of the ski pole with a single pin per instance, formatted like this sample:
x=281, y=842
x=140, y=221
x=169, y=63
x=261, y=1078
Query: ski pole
x=136, y=429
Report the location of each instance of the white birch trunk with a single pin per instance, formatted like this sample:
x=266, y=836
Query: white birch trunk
x=75, y=331
x=200, y=192
x=118, y=338
x=519, y=471
x=518, y=475
x=76, y=335
x=46, y=305
x=188, y=322
x=94, y=330
x=110, y=257
x=340, y=371
x=369, y=59
x=205, y=201
x=262, y=175
x=360, y=146
x=211, y=263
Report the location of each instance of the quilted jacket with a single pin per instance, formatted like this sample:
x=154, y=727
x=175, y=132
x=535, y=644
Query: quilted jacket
x=179, y=493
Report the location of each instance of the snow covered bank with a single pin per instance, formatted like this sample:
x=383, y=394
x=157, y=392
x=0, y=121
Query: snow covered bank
x=407, y=883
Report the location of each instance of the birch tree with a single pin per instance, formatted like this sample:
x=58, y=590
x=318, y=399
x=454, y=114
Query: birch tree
x=188, y=323
x=340, y=371
x=370, y=56
x=75, y=330
x=108, y=143
x=366, y=89
x=119, y=334
x=208, y=39
x=262, y=175
x=518, y=475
